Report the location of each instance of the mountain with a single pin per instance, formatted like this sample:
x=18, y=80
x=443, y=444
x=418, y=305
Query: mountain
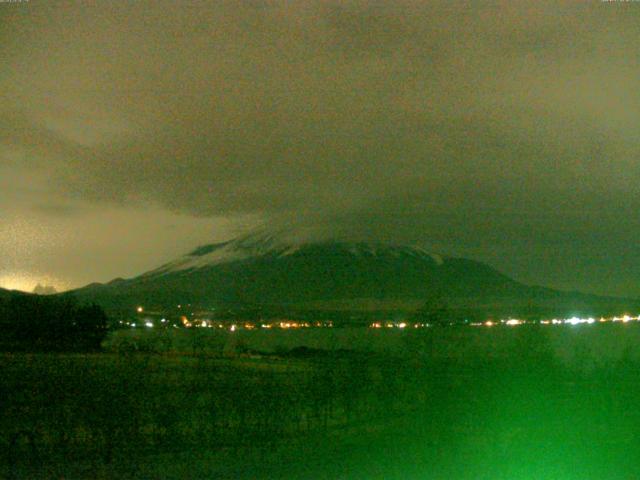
x=267, y=269
x=4, y=293
x=7, y=294
x=44, y=290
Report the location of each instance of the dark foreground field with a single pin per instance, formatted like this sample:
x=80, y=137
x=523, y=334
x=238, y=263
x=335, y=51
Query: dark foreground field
x=519, y=413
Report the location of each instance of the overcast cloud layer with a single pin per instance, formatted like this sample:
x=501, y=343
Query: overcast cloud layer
x=502, y=131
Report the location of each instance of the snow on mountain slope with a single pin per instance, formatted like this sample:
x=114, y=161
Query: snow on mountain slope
x=272, y=269
x=267, y=244
x=255, y=245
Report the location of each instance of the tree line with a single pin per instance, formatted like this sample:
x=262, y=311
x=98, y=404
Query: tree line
x=50, y=323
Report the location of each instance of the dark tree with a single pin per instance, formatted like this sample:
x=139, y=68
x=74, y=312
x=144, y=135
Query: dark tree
x=33, y=322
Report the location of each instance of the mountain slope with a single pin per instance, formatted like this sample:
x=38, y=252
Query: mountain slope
x=264, y=269
x=7, y=294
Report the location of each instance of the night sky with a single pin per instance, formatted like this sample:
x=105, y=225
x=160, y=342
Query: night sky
x=507, y=132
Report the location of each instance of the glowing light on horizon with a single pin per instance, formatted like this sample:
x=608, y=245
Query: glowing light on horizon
x=577, y=321
x=26, y=282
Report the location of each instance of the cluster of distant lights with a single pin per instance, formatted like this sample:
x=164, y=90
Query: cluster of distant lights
x=207, y=323
x=398, y=325
x=148, y=323
x=512, y=322
x=284, y=325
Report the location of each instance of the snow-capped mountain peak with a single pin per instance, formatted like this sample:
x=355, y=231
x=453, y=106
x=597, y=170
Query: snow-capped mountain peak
x=265, y=243
x=256, y=244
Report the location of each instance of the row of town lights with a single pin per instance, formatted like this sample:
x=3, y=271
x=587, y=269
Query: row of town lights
x=204, y=323
x=402, y=325
x=556, y=321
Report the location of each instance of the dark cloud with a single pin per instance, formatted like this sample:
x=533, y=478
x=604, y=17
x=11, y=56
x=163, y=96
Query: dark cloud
x=502, y=130
x=56, y=209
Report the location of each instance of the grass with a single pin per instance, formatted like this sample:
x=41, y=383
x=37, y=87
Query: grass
x=523, y=412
